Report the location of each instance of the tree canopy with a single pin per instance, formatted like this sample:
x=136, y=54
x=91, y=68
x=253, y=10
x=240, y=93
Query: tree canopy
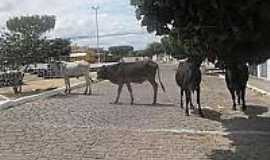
x=154, y=48
x=31, y=26
x=121, y=50
x=234, y=29
x=173, y=47
x=25, y=44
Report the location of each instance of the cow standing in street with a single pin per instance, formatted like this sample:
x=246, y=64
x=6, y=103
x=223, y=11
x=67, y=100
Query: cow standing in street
x=236, y=77
x=75, y=69
x=127, y=73
x=188, y=77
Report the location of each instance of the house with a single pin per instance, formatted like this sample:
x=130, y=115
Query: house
x=89, y=57
x=261, y=71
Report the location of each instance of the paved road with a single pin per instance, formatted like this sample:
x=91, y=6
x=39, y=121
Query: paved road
x=89, y=127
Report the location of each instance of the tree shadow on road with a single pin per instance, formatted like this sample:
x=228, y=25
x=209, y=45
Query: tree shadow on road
x=146, y=105
x=249, y=136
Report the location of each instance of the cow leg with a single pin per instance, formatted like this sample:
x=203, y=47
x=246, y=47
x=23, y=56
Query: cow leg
x=238, y=92
x=155, y=87
x=69, y=89
x=187, y=93
x=199, y=101
x=66, y=84
x=118, y=93
x=181, y=97
x=233, y=99
x=15, y=89
x=130, y=92
x=90, y=86
x=87, y=84
x=191, y=104
x=243, y=95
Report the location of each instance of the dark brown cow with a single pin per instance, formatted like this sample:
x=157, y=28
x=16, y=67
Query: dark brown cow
x=127, y=73
x=236, y=77
x=188, y=77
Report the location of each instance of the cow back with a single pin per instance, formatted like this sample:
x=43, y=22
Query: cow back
x=136, y=72
x=236, y=76
x=188, y=76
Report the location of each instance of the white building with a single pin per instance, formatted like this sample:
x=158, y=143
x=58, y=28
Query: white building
x=261, y=71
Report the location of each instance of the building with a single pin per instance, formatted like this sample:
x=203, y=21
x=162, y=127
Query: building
x=261, y=71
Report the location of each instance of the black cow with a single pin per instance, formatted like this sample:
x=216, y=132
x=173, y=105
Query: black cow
x=127, y=73
x=236, y=77
x=188, y=77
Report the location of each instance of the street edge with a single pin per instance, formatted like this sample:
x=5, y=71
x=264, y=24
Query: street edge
x=11, y=103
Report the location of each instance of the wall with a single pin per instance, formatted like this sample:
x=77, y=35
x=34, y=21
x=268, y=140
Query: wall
x=268, y=69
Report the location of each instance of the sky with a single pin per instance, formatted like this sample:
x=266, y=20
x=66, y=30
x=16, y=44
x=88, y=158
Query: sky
x=76, y=18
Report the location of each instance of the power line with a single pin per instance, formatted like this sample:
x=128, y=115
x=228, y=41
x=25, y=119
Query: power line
x=105, y=35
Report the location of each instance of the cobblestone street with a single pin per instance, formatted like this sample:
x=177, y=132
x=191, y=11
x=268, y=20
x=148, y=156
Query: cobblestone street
x=83, y=127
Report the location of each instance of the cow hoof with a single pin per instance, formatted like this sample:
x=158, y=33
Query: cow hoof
x=201, y=114
x=244, y=108
x=187, y=114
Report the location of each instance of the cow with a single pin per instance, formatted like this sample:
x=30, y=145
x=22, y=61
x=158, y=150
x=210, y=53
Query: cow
x=133, y=72
x=12, y=79
x=75, y=69
x=188, y=78
x=236, y=77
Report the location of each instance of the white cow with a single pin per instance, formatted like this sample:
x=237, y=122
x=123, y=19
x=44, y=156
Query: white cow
x=75, y=69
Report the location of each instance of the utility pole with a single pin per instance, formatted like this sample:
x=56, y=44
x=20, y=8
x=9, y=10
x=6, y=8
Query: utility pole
x=96, y=8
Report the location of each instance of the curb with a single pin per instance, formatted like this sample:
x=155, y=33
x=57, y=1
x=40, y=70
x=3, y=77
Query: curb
x=10, y=103
x=251, y=87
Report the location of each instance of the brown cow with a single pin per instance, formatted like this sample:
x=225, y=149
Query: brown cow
x=135, y=72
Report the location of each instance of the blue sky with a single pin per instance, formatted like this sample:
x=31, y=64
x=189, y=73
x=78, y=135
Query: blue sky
x=76, y=18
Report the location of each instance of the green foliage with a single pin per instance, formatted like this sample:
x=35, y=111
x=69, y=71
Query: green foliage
x=230, y=27
x=154, y=48
x=24, y=43
x=58, y=48
x=31, y=26
x=173, y=47
x=121, y=51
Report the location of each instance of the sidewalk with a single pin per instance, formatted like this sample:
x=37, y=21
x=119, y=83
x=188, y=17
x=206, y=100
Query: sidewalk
x=263, y=85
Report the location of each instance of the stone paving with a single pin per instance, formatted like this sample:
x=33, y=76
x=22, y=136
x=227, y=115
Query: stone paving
x=260, y=83
x=89, y=127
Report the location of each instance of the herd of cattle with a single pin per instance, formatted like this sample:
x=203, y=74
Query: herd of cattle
x=188, y=77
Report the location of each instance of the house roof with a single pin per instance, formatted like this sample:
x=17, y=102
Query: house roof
x=77, y=54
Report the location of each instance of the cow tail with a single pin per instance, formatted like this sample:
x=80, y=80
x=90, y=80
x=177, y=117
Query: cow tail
x=162, y=86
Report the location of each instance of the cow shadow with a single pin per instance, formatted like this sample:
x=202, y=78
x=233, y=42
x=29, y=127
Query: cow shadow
x=145, y=104
x=154, y=105
x=249, y=136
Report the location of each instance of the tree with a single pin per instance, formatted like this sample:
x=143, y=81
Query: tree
x=31, y=26
x=25, y=44
x=154, y=48
x=121, y=50
x=58, y=48
x=237, y=30
x=173, y=47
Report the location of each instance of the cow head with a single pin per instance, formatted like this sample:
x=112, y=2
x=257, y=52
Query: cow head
x=196, y=60
x=102, y=73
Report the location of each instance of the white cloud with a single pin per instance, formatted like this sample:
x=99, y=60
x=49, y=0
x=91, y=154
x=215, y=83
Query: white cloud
x=76, y=18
